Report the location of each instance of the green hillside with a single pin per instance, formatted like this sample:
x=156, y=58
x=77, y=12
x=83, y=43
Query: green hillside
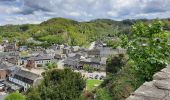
x=62, y=30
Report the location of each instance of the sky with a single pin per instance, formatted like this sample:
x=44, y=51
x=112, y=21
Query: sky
x=36, y=11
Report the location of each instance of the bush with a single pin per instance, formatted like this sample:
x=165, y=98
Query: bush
x=103, y=94
x=124, y=82
x=15, y=96
x=115, y=63
x=39, y=65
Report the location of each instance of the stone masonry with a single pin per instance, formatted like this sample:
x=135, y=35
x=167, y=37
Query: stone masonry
x=158, y=89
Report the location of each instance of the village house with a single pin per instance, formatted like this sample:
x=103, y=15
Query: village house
x=100, y=52
x=75, y=48
x=67, y=50
x=54, y=47
x=39, y=61
x=59, y=56
x=93, y=62
x=4, y=70
x=34, y=53
x=83, y=52
x=94, y=53
x=3, y=73
x=14, y=53
x=37, y=49
x=99, y=44
x=77, y=62
x=5, y=41
x=23, y=48
x=22, y=61
x=1, y=48
x=72, y=61
x=60, y=48
x=25, y=79
x=12, y=59
x=49, y=52
x=10, y=47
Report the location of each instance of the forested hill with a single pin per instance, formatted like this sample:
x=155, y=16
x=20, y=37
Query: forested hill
x=62, y=30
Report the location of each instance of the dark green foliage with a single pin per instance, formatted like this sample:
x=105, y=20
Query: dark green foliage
x=33, y=94
x=15, y=96
x=89, y=68
x=103, y=94
x=148, y=47
x=114, y=43
x=87, y=95
x=121, y=77
x=122, y=83
x=51, y=65
x=24, y=27
x=39, y=65
x=59, y=85
x=115, y=63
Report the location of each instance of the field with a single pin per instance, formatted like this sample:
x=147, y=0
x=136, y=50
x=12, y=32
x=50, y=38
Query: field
x=92, y=83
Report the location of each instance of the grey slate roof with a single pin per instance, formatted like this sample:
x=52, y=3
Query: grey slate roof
x=39, y=57
x=103, y=60
x=91, y=60
x=5, y=66
x=12, y=85
x=48, y=51
x=26, y=74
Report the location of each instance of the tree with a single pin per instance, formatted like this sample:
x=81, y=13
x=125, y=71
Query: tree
x=24, y=27
x=15, y=96
x=148, y=47
x=88, y=68
x=103, y=94
x=1, y=39
x=115, y=63
x=51, y=65
x=113, y=43
x=59, y=84
x=33, y=94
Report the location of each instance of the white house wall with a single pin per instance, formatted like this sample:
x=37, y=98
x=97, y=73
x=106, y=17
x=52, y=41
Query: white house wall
x=25, y=85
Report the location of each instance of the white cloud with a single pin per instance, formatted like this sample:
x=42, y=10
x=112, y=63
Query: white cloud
x=9, y=9
x=35, y=11
x=76, y=14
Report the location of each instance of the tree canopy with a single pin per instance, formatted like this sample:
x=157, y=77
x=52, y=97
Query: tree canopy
x=115, y=63
x=149, y=48
x=15, y=96
x=58, y=84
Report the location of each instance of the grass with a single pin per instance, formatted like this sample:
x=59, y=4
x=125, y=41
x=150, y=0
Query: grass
x=92, y=84
x=24, y=53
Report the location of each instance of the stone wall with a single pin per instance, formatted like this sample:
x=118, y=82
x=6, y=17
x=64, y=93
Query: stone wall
x=158, y=89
